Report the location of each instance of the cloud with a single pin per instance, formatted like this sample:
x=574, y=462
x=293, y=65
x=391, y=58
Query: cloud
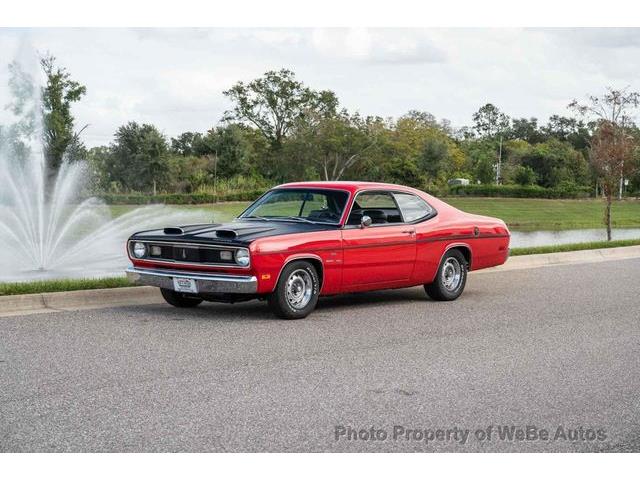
x=605, y=38
x=174, y=78
x=392, y=46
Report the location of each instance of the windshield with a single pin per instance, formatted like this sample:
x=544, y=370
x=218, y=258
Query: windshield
x=305, y=205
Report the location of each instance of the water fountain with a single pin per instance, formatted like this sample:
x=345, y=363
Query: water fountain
x=52, y=228
x=62, y=235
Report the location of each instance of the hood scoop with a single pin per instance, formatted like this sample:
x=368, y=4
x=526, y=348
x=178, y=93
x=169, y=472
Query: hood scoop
x=173, y=231
x=230, y=234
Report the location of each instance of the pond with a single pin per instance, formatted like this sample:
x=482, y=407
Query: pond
x=541, y=238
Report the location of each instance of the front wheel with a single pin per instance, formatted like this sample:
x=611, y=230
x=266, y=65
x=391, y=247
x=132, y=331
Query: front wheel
x=297, y=291
x=178, y=299
x=450, y=279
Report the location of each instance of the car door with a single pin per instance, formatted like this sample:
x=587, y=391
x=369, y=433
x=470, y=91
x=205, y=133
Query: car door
x=382, y=254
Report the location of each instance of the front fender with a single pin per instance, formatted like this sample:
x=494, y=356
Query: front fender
x=270, y=257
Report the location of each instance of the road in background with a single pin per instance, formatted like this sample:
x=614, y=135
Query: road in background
x=548, y=347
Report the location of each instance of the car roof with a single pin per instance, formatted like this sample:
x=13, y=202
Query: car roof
x=350, y=186
x=353, y=187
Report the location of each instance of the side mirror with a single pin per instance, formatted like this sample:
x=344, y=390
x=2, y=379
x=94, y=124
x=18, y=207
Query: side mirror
x=365, y=221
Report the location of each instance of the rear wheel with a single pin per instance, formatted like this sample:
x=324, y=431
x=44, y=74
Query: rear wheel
x=178, y=299
x=296, y=294
x=450, y=279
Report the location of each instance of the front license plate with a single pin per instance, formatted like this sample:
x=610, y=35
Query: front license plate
x=186, y=285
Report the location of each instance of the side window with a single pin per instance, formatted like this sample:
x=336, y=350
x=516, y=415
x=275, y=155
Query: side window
x=379, y=206
x=412, y=206
x=375, y=200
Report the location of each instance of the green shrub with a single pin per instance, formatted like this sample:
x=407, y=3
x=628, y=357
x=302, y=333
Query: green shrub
x=520, y=191
x=178, y=198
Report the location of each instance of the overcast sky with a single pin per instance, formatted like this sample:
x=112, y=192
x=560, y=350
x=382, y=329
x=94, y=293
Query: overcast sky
x=174, y=78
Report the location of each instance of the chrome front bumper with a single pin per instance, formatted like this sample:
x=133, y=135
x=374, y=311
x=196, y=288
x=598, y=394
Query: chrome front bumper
x=207, y=282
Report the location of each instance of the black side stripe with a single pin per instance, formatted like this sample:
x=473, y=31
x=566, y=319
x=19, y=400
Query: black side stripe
x=460, y=237
x=391, y=244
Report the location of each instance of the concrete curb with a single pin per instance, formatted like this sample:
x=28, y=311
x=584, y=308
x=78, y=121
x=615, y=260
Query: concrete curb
x=566, y=258
x=11, y=305
x=78, y=300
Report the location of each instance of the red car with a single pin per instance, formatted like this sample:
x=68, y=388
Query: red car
x=302, y=240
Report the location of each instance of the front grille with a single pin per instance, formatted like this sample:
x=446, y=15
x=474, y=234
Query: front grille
x=194, y=254
x=188, y=253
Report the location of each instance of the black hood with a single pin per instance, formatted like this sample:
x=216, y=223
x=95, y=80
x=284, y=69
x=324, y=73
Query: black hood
x=241, y=232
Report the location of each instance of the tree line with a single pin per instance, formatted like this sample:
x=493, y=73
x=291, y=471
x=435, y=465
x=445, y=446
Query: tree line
x=280, y=130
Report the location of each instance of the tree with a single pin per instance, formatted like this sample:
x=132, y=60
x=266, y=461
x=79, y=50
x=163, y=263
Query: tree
x=333, y=144
x=138, y=157
x=185, y=143
x=275, y=102
x=417, y=150
x=231, y=146
x=59, y=93
x=484, y=168
x=524, y=175
x=490, y=122
x=100, y=161
x=434, y=156
x=17, y=136
x=612, y=147
x=441, y=158
x=525, y=129
x=568, y=129
x=555, y=163
x=611, y=153
x=421, y=118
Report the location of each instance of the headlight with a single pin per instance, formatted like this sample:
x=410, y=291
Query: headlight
x=242, y=257
x=139, y=250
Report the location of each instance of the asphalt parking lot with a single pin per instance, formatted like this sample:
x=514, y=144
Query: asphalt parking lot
x=555, y=348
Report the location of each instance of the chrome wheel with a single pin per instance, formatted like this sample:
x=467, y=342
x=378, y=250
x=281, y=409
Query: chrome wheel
x=299, y=289
x=451, y=274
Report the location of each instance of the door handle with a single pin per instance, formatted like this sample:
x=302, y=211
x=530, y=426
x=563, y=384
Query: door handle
x=409, y=232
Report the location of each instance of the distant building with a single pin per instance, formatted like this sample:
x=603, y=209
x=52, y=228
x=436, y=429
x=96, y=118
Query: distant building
x=458, y=181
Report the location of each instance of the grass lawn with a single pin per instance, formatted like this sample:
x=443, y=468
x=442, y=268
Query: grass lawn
x=524, y=214
x=541, y=214
x=224, y=210
x=65, y=285
x=572, y=247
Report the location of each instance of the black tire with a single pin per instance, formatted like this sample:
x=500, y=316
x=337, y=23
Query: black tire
x=278, y=299
x=446, y=286
x=178, y=299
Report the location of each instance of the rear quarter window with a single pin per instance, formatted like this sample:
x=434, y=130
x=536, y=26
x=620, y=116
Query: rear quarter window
x=412, y=207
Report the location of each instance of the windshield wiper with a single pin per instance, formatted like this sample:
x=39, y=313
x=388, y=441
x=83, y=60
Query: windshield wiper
x=296, y=219
x=285, y=218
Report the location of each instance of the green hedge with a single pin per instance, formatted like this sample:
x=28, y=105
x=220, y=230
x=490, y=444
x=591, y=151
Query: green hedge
x=177, y=198
x=518, y=191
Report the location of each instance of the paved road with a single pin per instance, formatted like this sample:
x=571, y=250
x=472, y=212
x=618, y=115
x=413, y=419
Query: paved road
x=548, y=347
